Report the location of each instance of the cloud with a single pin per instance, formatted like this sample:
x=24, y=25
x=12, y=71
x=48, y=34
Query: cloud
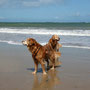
x=27, y=3
x=77, y=14
x=56, y=17
x=1, y=18
x=31, y=4
x=37, y=3
x=88, y=15
x=2, y=2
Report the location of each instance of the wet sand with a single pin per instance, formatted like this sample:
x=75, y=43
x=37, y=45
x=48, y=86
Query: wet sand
x=16, y=66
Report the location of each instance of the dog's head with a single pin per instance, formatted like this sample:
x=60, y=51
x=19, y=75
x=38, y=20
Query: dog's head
x=55, y=37
x=29, y=42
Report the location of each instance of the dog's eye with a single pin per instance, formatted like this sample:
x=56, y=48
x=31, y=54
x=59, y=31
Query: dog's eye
x=53, y=39
x=29, y=40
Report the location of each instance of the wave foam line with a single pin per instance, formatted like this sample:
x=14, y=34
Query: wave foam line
x=46, y=32
x=82, y=47
x=17, y=43
x=11, y=42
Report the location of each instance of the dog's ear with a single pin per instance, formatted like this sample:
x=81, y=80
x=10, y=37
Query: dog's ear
x=32, y=42
x=29, y=42
x=50, y=41
x=53, y=37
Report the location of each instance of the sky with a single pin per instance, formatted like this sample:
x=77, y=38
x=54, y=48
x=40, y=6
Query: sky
x=44, y=10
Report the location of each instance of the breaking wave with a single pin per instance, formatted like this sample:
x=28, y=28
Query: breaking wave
x=46, y=32
x=72, y=46
x=11, y=42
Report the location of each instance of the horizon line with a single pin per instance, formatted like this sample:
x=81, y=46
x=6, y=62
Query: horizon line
x=43, y=22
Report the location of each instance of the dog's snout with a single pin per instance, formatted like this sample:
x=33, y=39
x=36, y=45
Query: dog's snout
x=58, y=39
x=23, y=41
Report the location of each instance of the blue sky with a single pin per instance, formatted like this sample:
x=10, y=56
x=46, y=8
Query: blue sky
x=44, y=10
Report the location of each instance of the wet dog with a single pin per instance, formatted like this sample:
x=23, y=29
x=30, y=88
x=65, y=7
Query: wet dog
x=40, y=53
x=53, y=43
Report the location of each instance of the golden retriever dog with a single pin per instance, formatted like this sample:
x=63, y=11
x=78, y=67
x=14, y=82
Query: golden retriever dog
x=53, y=42
x=40, y=53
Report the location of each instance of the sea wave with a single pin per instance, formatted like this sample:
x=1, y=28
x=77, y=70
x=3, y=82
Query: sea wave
x=82, y=47
x=46, y=32
x=68, y=46
x=11, y=42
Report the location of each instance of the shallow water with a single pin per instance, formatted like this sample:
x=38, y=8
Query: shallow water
x=76, y=35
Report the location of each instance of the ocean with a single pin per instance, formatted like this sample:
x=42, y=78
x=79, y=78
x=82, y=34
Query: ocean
x=76, y=35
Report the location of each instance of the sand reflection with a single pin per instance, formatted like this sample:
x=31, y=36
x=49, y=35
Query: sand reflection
x=46, y=82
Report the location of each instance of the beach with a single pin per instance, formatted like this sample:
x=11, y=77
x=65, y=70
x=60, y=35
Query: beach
x=16, y=67
x=57, y=24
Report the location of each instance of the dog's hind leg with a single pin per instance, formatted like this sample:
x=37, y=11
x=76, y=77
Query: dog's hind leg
x=53, y=65
x=47, y=63
x=36, y=67
x=43, y=67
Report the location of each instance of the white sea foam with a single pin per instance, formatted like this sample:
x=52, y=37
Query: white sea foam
x=18, y=43
x=11, y=42
x=6, y=34
x=46, y=32
x=82, y=47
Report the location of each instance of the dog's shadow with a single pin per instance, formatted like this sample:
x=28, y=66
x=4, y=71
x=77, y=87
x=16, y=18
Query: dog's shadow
x=32, y=69
x=40, y=69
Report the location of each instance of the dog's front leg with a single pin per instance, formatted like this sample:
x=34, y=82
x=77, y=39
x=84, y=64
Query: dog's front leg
x=47, y=63
x=43, y=67
x=36, y=67
x=53, y=66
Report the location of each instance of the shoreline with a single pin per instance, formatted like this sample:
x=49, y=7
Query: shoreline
x=16, y=66
x=20, y=44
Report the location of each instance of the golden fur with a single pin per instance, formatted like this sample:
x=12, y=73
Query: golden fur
x=40, y=53
x=53, y=42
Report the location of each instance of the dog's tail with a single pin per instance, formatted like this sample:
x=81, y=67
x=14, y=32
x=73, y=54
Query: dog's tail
x=57, y=54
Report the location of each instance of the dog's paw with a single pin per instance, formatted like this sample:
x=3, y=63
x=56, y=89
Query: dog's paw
x=52, y=68
x=44, y=73
x=34, y=72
